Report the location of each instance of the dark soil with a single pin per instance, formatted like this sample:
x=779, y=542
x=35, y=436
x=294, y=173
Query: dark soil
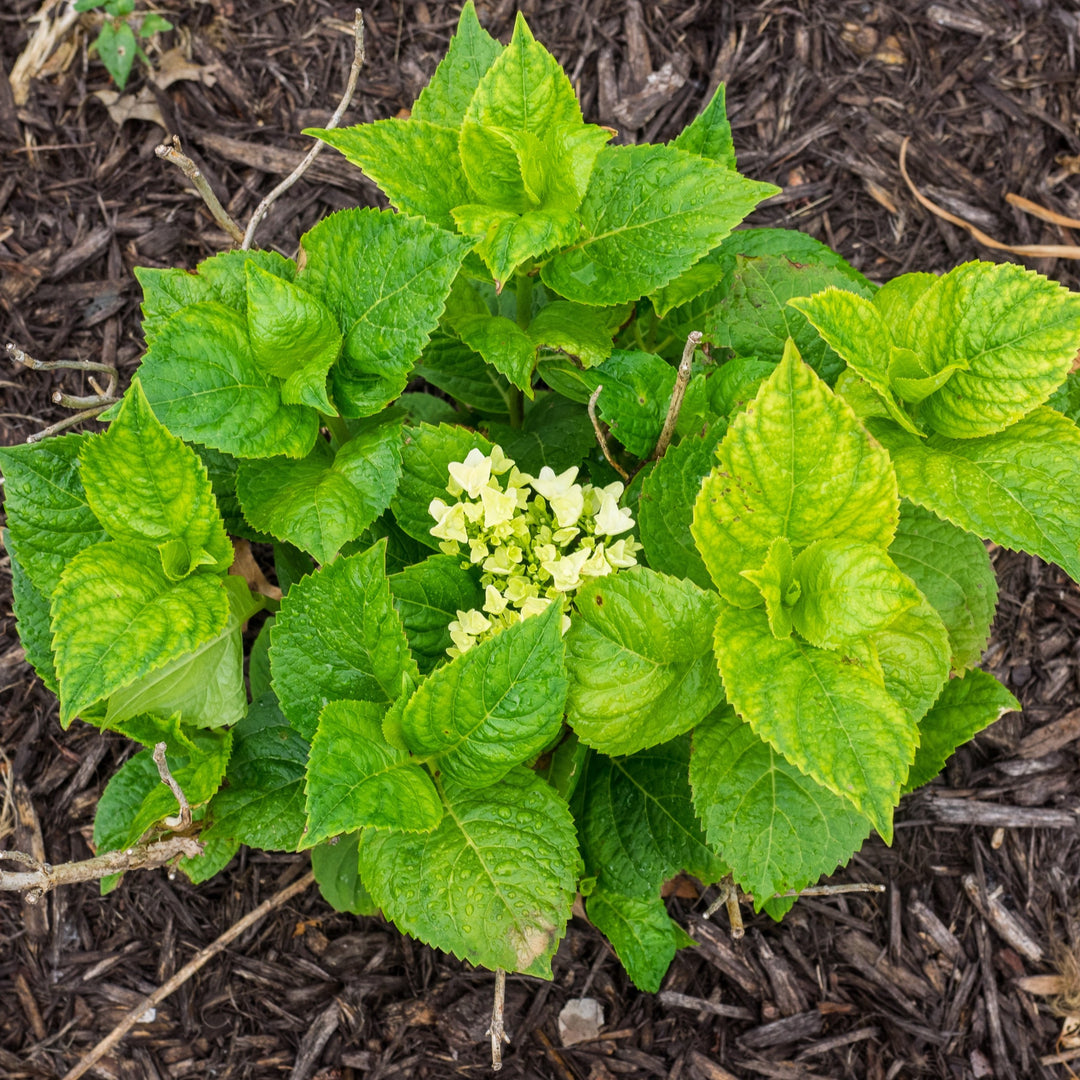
x=914, y=982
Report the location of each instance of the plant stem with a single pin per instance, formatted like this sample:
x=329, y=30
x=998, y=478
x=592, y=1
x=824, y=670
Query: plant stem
x=523, y=313
x=339, y=430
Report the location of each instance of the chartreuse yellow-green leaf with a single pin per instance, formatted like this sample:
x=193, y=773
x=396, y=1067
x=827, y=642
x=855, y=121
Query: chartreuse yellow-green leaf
x=796, y=463
x=952, y=569
x=471, y=52
x=356, y=779
x=495, y=706
x=828, y=714
x=385, y=277
x=337, y=637
x=293, y=336
x=771, y=823
x=414, y=162
x=912, y=652
x=204, y=384
x=493, y=883
x=971, y=351
x=709, y=134
x=145, y=484
x=506, y=239
x=1019, y=487
x=776, y=581
x=321, y=503
x=847, y=590
x=649, y=214
x=965, y=707
x=639, y=657
x=48, y=518
x=31, y=608
x=116, y=616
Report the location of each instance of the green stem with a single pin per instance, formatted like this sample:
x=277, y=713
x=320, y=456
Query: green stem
x=339, y=430
x=523, y=312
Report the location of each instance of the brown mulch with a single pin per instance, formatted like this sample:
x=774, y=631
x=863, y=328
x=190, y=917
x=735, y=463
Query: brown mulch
x=921, y=981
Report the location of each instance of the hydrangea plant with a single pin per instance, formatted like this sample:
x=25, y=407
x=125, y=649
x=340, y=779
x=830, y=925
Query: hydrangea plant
x=510, y=665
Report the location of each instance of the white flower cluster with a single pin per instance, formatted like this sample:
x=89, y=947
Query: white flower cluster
x=535, y=538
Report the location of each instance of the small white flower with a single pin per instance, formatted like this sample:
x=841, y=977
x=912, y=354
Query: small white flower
x=564, y=536
x=474, y=511
x=566, y=498
x=534, y=605
x=621, y=554
x=500, y=462
x=566, y=572
x=498, y=562
x=519, y=589
x=450, y=521
x=499, y=507
x=478, y=551
x=611, y=518
x=597, y=564
x=494, y=601
x=473, y=473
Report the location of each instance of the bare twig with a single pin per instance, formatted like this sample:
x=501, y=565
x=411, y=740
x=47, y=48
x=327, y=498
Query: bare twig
x=734, y=914
x=601, y=438
x=43, y=878
x=678, y=392
x=184, y=818
x=170, y=151
x=496, y=1029
x=88, y=1060
x=67, y=422
x=18, y=356
x=248, y=237
x=1033, y=251
x=833, y=890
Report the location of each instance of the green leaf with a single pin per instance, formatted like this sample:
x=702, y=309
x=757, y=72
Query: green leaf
x=337, y=637
x=636, y=822
x=335, y=865
x=385, y=276
x=1066, y=398
x=204, y=687
x=1015, y=333
x=262, y=804
x=144, y=484
x=507, y=239
x=428, y=597
x=795, y=463
x=709, y=133
x=454, y=368
x=221, y=277
x=639, y=657
x=1019, y=487
x=523, y=93
x=117, y=617
x=148, y=730
x=635, y=397
x=952, y=570
x=217, y=854
x=48, y=518
x=201, y=379
x=774, y=826
x=401, y=549
x=355, y=778
x=688, y=286
x=472, y=51
x=153, y=23
x=493, y=707
x=420, y=407
x=650, y=212
x=502, y=343
x=643, y=935
x=913, y=654
x=847, y=590
x=828, y=714
x=414, y=162
x=493, y=884
x=329, y=498
x=292, y=336
x=116, y=47
x=965, y=707
x=735, y=384
x=755, y=317
x=666, y=509
x=135, y=799
x=425, y=458
x=31, y=609
x=556, y=433
x=580, y=331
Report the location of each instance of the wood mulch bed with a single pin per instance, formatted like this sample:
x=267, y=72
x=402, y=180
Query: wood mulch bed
x=964, y=967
